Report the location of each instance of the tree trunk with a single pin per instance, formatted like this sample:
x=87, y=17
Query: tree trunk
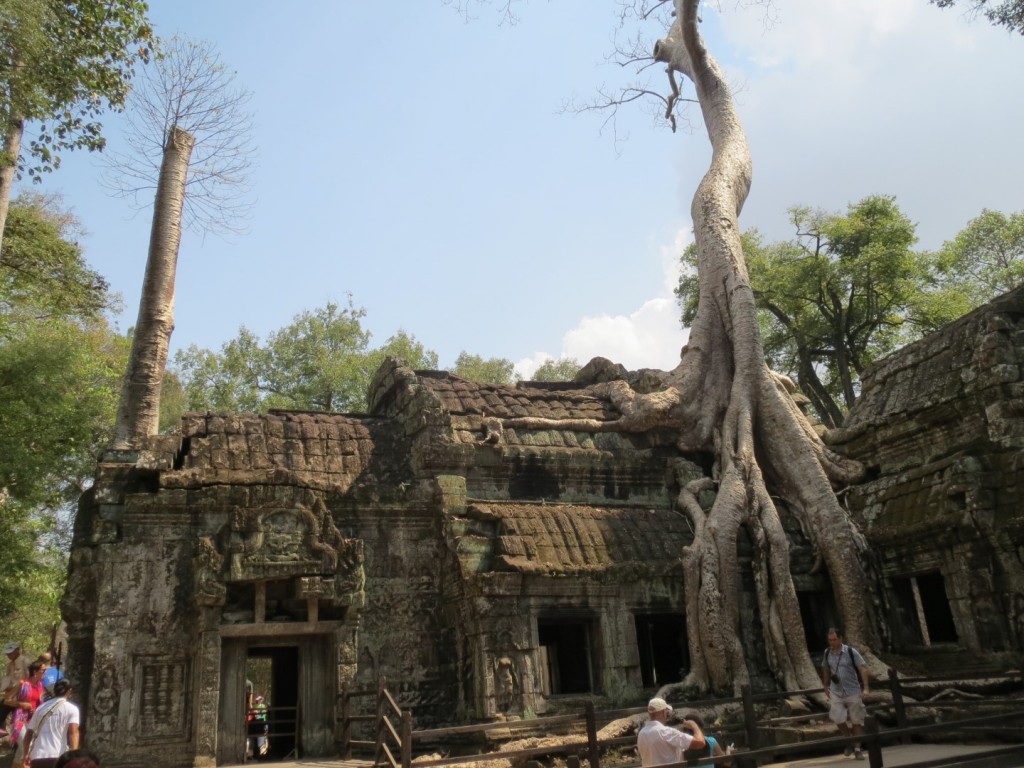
x=138, y=411
x=722, y=398
x=8, y=170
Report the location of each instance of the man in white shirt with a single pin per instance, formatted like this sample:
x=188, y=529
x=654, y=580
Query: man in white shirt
x=53, y=729
x=658, y=744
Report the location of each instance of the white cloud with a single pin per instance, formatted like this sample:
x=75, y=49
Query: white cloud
x=650, y=337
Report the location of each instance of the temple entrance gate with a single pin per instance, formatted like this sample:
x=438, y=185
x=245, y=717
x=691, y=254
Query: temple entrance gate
x=299, y=689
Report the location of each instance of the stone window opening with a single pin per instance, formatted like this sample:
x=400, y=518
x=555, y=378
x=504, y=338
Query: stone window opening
x=279, y=600
x=663, y=649
x=566, y=656
x=924, y=608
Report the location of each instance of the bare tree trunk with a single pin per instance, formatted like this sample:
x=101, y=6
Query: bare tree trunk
x=8, y=170
x=138, y=412
x=722, y=398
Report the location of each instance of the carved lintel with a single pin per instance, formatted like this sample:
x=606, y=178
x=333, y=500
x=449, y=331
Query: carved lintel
x=315, y=587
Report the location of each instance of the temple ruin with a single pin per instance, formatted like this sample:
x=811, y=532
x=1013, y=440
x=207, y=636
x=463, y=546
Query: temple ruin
x=493, y=572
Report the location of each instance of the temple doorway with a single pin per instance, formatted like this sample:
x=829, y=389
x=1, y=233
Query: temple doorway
x=277, y=699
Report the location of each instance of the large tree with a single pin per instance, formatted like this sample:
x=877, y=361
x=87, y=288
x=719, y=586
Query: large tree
x=986, y=257
x=722, y=399
x=492, y=370
x=563, y=369
x=43, y=274
x=1003, y=13
x=60, y=368
x=190, y=138
x=62, y=64
x=321, y=361
x=845, y=291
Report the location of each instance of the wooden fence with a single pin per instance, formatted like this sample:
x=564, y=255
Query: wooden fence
x=394, y=739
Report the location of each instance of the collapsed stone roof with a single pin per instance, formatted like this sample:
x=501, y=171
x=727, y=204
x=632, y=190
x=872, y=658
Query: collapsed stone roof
x=568, y=539
x=960, y=387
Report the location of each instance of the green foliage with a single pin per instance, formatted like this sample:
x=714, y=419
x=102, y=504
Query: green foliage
x=986, y=258
x=43, y=274
x=405, y=347
x=322, y=361
x=494, y=370
x=60, y=370
x=846, y=291
x=58, y=392
x=1007, y=13
x=31, y=589
x=62, y=64
x=563, y=369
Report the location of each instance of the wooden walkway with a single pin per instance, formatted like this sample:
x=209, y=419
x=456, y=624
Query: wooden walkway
x=893, y=756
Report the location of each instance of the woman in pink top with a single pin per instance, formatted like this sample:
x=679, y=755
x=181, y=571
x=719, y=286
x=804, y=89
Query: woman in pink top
x=29, y=698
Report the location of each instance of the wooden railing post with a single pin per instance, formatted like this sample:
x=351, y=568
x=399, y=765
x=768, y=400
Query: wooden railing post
x=898, y=705
x=872, y=742
x=346, y=734
x=750, y=720
x=593, y=752
x=379, y=736
x=406, y=734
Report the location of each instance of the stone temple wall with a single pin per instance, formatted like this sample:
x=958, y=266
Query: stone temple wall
x=940, y=427
x=483, y=576
x=490, y=572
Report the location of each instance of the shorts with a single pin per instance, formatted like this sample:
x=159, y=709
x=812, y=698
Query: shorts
x=847, y=709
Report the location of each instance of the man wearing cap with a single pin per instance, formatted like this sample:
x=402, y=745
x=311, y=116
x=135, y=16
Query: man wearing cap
x=17, y=670
x=53, y=729
x=658, y=744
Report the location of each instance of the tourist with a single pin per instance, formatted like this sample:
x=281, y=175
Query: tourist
x=17, y=670
x=711, y=748
x=52, y=674
x=844, y=674
x=257, y=728
x=30, y=695
x=52, y=730
x=658, y=744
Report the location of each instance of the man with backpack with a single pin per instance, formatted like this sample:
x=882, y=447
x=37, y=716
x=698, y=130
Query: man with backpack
x=844, y=674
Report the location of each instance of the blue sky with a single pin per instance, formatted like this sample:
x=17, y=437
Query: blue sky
x=422, y=164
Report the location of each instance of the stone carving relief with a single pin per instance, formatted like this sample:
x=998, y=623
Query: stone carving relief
x=512, y=671
x=103, y=712
x=160, y=699
x=506, y=684
x=265, y=543
x=271, y=542
x=208, y=583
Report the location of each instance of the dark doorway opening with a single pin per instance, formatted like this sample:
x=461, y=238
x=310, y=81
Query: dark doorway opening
x=566, y=656
x=935, y=605
x=818, y=614
x=664, y=653
x=273, y=673
x=906, y=628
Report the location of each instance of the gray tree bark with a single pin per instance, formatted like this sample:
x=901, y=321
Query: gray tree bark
x=138, y=411
x=8, y=170
x=723, y=398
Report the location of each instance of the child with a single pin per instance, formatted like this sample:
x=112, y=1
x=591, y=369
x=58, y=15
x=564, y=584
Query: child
x=711, y=749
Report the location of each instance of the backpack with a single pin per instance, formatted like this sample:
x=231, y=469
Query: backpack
x=694, y=756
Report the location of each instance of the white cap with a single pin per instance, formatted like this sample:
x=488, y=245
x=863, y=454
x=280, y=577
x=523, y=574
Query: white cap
x=658, y=705
x=11, y=647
